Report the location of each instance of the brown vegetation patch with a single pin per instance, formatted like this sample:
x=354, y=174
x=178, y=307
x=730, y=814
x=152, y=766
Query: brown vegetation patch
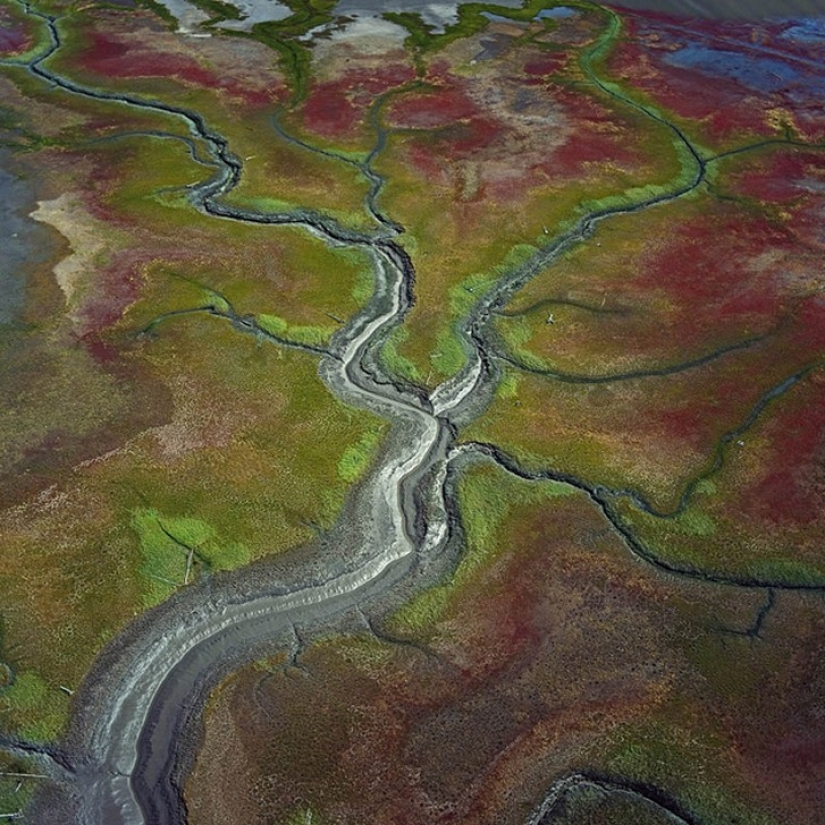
x=534, y=661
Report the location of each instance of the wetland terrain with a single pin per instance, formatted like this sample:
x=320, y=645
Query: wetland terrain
x=412, y=414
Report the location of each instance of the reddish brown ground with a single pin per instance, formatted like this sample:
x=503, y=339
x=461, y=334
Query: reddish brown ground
x=523, y=673
x=713, y=105
x=339, y=108
x=16, y=34
x=558, y=135
x=682, y=281
x=776, y=482
x=728, y=112
x=557, y=656
x=112, y=50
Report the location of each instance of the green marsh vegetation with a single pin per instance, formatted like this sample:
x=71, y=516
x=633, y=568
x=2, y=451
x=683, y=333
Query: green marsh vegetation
x=197, y=424
x=250, y=439
x=693, y=760
x=454, y=240
x=284, y=36
x=38, y=709
x=19, y=779
x=273, y=168
x=177, y=550
x=491, y=504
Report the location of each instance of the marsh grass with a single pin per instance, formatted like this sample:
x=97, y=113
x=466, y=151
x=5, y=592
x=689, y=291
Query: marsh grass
x=490, y=503
x=357, y=458
x=37, y=709
x=690, y=760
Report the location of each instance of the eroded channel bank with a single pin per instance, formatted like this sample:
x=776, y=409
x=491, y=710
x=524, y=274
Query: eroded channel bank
x=145, y=694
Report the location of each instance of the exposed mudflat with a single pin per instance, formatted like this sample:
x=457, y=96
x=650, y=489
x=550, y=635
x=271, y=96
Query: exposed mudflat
x=24, y=243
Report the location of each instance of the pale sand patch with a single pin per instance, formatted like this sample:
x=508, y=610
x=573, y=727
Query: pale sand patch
x=768, y=260
x=67, y=215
